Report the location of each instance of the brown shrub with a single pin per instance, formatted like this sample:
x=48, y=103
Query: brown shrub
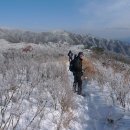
x=127, y=76
x=88, y=68
x=27, y=49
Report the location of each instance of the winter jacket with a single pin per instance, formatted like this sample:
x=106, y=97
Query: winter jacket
x=78, y=66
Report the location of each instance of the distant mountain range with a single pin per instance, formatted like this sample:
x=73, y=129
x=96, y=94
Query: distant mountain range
x=16, y=36
x=127, y=40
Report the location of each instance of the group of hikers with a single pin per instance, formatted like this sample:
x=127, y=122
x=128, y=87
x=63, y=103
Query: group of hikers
x=76, y=68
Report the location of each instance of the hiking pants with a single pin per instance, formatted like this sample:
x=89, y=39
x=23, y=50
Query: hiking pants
x=78, y=80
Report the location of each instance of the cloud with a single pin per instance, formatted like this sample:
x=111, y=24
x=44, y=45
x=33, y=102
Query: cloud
x=106, y=14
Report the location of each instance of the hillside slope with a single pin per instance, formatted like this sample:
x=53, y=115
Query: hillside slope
x=16, y=36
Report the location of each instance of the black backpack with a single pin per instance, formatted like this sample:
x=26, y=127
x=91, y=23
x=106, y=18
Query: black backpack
x=71, y=67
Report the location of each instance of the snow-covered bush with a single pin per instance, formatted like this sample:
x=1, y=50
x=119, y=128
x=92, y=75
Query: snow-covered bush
x=34, y=90
x=115, y=77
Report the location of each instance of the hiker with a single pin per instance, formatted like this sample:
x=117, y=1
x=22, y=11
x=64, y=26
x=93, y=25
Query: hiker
x=71, y=68
x=70, y=54
x=76, y=69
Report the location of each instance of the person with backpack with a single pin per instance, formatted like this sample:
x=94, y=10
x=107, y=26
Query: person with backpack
x=72, y=70
x=76, y=69
x=70, y=54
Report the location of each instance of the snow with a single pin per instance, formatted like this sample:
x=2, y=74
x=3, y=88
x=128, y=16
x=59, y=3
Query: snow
x=94, y=112
x=5, y=45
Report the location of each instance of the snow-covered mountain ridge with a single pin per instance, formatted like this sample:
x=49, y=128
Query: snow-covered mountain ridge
x=16, y=36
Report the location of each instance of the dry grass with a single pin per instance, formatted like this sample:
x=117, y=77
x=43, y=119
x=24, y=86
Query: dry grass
x=41, y=76
x=127, y=76
x=88, y=68
x=69, y=117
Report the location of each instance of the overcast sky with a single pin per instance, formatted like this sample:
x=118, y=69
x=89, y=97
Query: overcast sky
x=103, y=18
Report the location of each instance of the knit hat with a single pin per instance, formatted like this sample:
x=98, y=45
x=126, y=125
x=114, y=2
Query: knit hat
x=80, y=53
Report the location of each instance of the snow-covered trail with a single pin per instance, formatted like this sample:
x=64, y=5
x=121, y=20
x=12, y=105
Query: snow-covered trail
x=94, y=111
x=99, y=111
